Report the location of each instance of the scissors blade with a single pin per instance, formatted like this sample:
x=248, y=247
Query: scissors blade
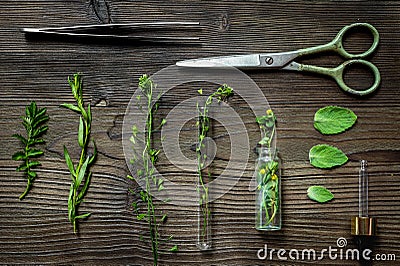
x=273, y=60
x=239, y=61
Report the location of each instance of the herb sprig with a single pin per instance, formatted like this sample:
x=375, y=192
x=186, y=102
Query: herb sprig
x=80, y=174
x=267, y=127
x=268, y=171
x=145, y=163
x=221, y=94
x=33, y=121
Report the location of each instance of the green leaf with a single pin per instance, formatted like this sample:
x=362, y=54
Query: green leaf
x=135, y=130
x=39, y=120
x=200, y=91
x=71, y=205
x=81, y=132
x=264, y=141
x=333, y=119
x=94, y=156
x=89, y=113
x=21, y=168
x=41, y=112
x=33, y=164
x=143, y=195
x=30, y=109
x=32, y=175
x=35, y=141
x=69, y=162
x=85, y=187
x=34, y=152
x=139, y=172
x=141, y=216
x=319, y=194
x=71, y=107
x=19, y=156
x=135, y=206
x=326, y=156
x=261, y=119
x=83, y=216
x=39, y=131
x=21, y=138
x=174, y=249
x=81, y=173
x=84, y=114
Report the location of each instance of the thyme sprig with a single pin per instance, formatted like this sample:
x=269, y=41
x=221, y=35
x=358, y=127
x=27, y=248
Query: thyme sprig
x=80, y=174
x=145, y=164
x=33, y=121
x=221, y=94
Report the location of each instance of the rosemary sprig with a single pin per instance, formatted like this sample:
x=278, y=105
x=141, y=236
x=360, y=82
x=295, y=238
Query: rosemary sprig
x=33, y=122
x=146, y=167
x=80, y=174
x=221, y=94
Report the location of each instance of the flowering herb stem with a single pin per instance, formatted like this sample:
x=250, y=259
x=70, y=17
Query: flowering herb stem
x=221, y=94
x=149, y=157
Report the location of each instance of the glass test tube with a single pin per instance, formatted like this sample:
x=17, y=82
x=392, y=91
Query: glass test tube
x=204, y=207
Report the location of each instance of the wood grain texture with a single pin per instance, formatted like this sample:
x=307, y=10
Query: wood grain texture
x=36, y=230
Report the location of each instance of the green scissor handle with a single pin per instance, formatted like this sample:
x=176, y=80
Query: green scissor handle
x=336, y=45
x=338, y=72
x=338, y=41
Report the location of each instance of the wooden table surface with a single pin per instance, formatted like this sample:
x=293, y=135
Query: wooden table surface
x=36, y=230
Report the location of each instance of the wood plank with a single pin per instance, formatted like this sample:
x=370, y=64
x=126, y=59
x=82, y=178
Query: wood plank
x=36, y=230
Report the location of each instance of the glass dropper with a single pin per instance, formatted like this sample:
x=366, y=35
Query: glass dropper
x=363, y=190
x=363, y=225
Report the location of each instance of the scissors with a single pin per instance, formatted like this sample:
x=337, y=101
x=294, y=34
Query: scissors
x=284, y=61
x=112, y=31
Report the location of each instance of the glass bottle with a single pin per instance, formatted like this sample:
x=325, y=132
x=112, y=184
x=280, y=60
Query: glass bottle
x=268, y=191
x=203, y=179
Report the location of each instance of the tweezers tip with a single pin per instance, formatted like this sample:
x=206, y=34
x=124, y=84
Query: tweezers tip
x=28, y=30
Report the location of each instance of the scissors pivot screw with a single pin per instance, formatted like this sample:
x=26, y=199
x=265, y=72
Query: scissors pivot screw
x=269, y=60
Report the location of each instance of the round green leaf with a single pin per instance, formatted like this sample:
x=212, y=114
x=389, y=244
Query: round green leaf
x=319, y=194
x=326, y=156
x=333, y=119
